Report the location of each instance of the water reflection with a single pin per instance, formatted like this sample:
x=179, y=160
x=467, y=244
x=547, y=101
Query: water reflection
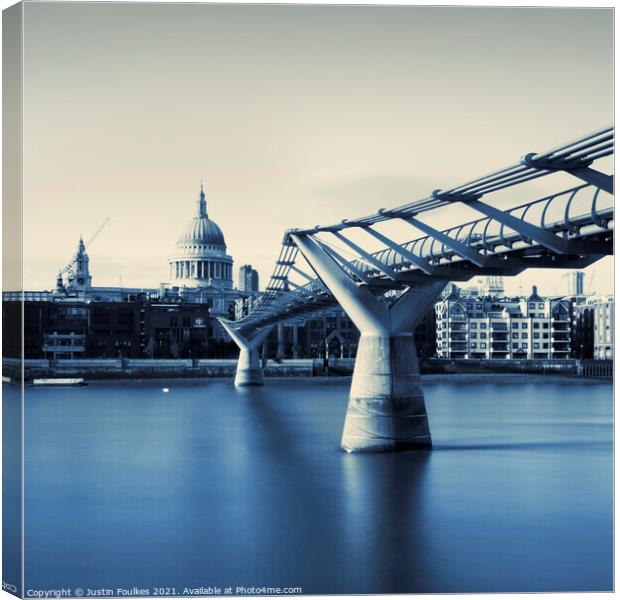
x=386, y=529
x=210, y=485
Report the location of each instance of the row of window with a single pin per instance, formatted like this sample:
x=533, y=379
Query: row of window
x=515, y=336
x=186, y=321
x=504, y=326
x=515, y=346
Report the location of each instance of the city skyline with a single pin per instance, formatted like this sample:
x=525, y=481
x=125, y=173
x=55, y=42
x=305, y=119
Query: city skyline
x=284, y=139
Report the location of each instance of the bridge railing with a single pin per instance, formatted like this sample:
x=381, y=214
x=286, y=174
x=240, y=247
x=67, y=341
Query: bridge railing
x=563, y=213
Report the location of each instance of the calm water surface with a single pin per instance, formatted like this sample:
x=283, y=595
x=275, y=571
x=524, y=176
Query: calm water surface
x=209, y=485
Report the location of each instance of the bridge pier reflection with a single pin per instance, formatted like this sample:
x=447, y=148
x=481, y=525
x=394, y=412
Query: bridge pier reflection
x=386, y=410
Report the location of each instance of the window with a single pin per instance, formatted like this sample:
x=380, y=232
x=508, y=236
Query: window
x=524, y=336
x=535, y=345
x=545, y=325
x=483, y=336
x=515, y=346
x=545, y=336
x=532, y=305
x=545, y=345
x=524, y=346
x=523, y=325
x=536, y=325
x=483, y=325
x=536, y=335
x=515, y=336
x=473, y=335
x=473, y=344
x=483, y=345
x=474, y=325
x=541, y=305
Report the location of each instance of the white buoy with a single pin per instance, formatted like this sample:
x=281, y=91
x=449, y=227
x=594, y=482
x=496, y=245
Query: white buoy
x=165, y=390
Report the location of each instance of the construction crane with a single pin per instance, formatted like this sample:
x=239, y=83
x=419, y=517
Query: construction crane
x=99, y=229
x=69, y=267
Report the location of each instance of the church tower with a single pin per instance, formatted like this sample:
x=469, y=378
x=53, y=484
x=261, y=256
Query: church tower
x=78, y=277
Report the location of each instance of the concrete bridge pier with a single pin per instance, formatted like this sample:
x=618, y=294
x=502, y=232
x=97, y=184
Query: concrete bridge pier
x=386, y=410
x=249, y=365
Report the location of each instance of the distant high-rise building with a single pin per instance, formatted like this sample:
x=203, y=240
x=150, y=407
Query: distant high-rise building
x=248, y=279
x=493, y=286
x=575, y=280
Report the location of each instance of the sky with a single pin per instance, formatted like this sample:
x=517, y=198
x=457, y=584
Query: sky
x=293, y=116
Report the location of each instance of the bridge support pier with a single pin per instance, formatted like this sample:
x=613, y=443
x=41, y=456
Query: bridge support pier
x=386, y=410
x=249, y=365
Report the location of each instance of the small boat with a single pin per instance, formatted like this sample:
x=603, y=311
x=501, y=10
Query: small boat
x=67, y=381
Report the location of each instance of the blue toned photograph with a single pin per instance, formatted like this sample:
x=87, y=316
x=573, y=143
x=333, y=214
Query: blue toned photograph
x=307, y=300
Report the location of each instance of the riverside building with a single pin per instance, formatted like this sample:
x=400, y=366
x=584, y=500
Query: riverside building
x=492, y=327
x=603, y=318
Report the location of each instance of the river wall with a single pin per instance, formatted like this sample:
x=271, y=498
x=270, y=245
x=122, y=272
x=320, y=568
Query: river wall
x=123, y=368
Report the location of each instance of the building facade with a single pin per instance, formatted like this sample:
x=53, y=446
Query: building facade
x=603, y=322
x=503, y=328
x=142, y=328
x=330, y=335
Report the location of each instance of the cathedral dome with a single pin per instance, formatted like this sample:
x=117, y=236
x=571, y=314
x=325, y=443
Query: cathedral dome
x=202, y=231
x=200, y=259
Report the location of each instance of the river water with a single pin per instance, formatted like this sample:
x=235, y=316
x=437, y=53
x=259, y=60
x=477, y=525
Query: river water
x=208, y=485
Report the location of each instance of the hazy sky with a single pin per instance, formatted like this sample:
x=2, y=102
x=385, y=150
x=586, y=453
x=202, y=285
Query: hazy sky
x=294, y=116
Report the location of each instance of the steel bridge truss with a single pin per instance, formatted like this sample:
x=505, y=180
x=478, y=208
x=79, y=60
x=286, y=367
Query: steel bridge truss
x=502, y=242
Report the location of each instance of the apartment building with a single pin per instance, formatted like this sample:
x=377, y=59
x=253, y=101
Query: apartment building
x=489, y=327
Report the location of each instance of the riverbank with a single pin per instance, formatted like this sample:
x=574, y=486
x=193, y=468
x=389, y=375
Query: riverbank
x=224, y=369
x=345, y=380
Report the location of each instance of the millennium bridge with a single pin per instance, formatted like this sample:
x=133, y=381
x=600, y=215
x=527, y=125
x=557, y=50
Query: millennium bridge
x=386, y=292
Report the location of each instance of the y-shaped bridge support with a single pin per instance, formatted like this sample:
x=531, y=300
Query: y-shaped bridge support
x=248, y=366
x=386, y=409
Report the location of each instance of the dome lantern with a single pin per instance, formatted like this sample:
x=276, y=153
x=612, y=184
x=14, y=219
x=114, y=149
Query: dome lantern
x=202, y=203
